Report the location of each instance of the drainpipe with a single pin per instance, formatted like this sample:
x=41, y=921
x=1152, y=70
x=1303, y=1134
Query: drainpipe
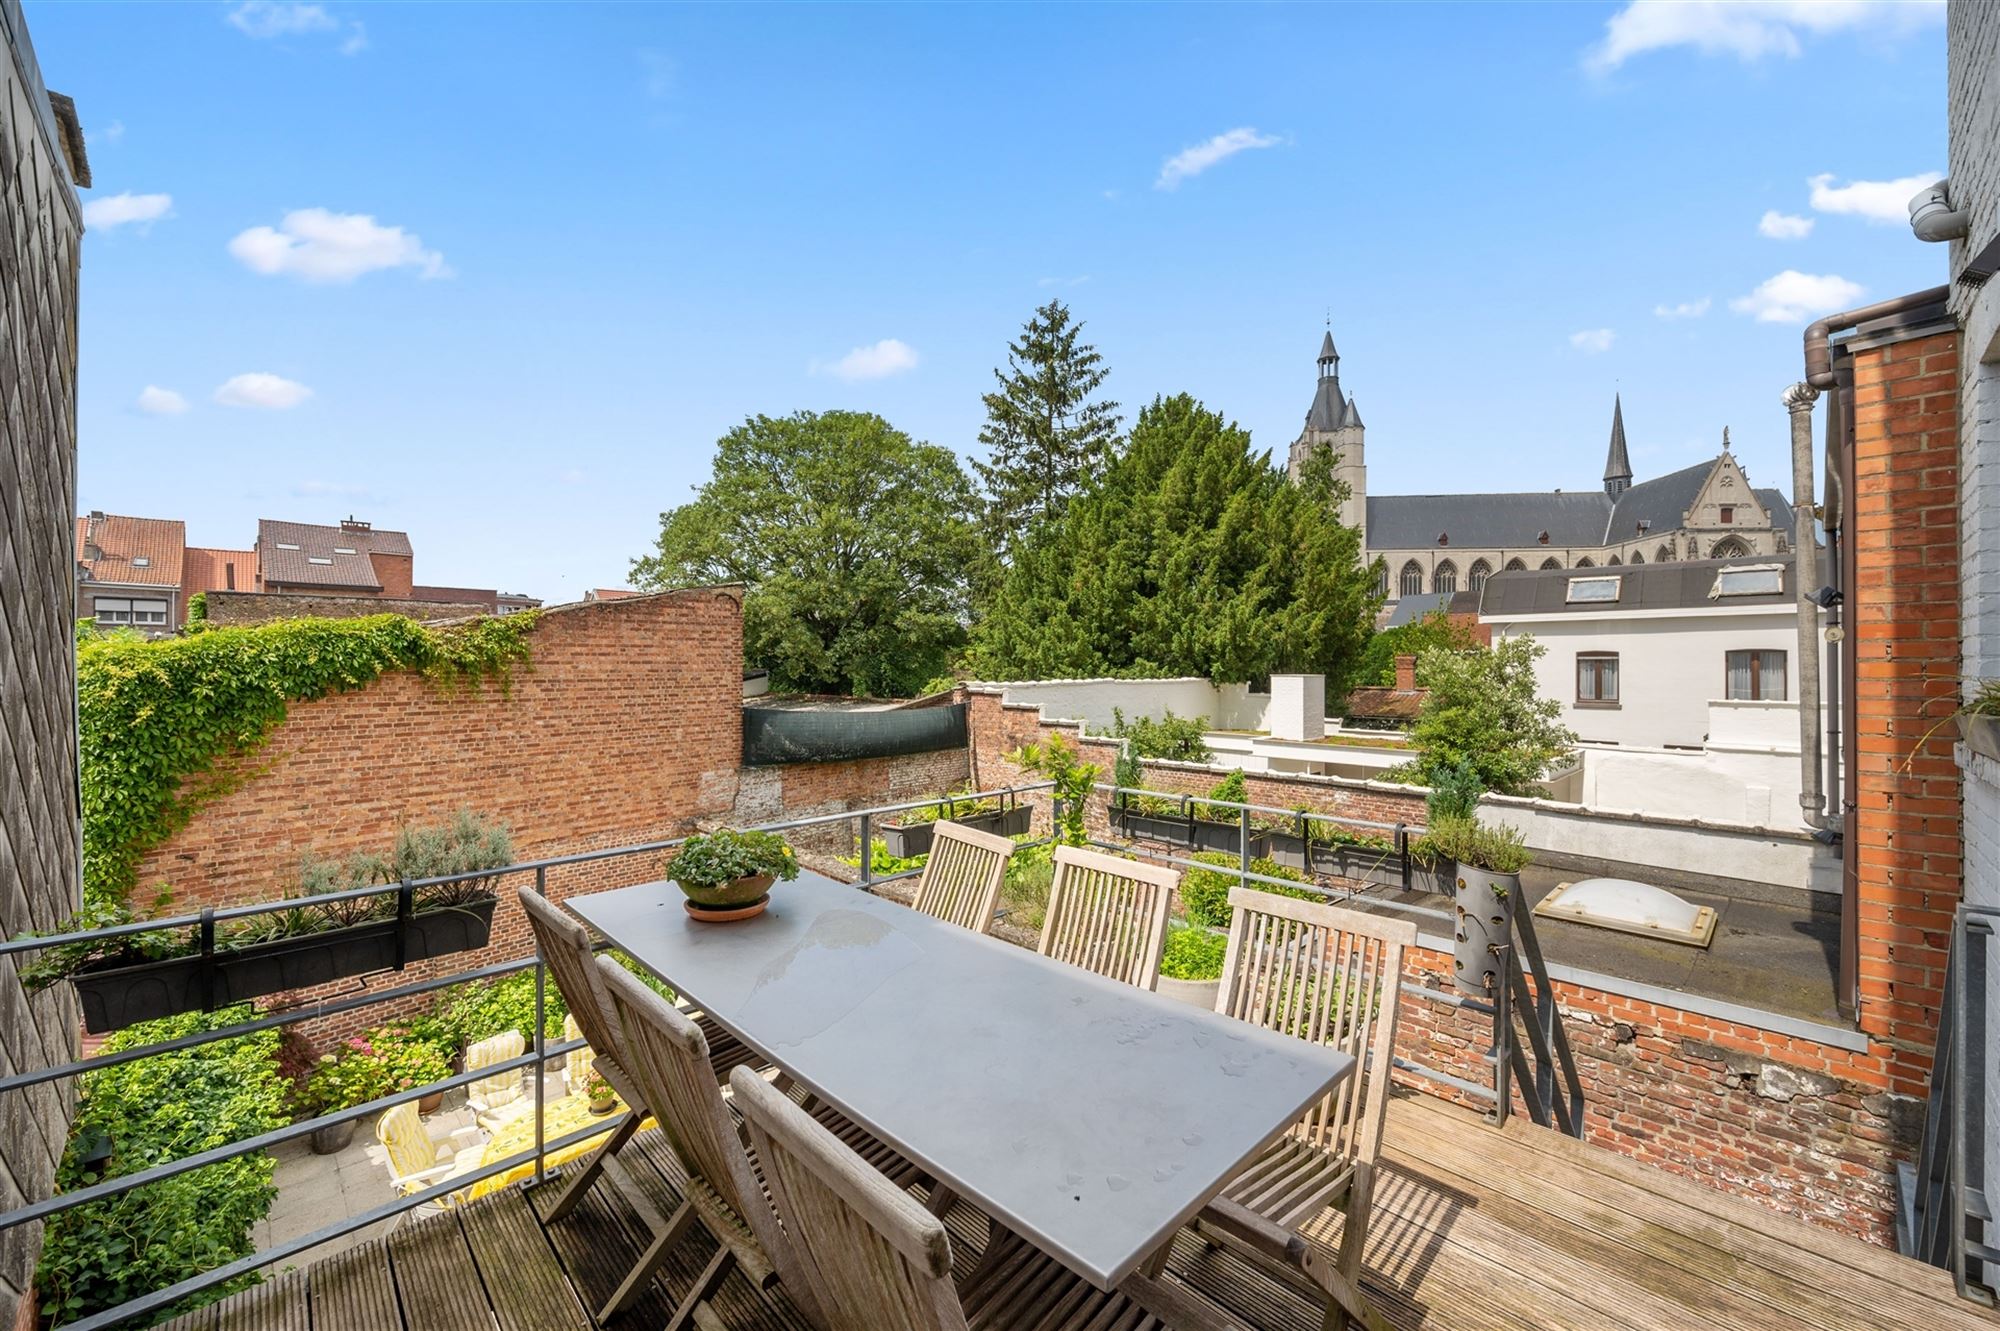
x=1799, y=402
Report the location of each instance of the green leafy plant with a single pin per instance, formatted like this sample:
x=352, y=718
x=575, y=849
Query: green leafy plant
x=64, y=959
x=197, y=610
x=596, y=1089
x=1232, y=789
x=726, y=855
x=1024, y=891
x=1483, y=711
x=158, y=719
x=883, y=864
x=409, y=1055
x=152, y=1111
x=1481, y=845
x=1455, y=789
x=952, y=805
x=1205, y=892
x=351, y=1074
x=488, y=1007
x=1193, y=953
x=1055, y=759
x=1127, y=772
x=1176, y=738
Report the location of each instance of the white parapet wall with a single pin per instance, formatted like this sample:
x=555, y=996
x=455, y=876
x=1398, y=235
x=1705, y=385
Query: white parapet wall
x=1093, y=701
x=1715, y=848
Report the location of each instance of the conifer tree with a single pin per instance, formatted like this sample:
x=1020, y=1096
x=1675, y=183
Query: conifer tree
x=1046, y=439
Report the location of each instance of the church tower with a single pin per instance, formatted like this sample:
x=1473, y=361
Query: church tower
x=1617, y=466
x=1335, y=422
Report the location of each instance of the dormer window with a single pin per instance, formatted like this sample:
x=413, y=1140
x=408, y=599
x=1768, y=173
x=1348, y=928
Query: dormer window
x=1726, y=514
x=1749, y=580
x=1592, y=590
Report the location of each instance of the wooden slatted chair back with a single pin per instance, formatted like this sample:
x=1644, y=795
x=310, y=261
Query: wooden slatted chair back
x=870, y=1254
x=566, y=950
x=667, y=1055
x=504, y=1088
x=1329, y=976
x=1108, y=915
x=961, y=879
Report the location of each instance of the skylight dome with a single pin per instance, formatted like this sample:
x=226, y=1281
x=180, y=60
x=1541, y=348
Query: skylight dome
x=1631, y=907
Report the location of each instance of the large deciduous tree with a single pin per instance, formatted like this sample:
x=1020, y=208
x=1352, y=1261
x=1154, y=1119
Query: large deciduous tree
x=853, y=541
x=1045, y=438
x=1483, y=713
x=1193, y=556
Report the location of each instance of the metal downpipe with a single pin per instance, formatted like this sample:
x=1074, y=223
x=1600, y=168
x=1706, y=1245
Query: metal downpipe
x=1799, y=399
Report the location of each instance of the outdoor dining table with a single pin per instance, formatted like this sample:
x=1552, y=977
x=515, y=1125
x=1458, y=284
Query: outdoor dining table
x=1090, y=1117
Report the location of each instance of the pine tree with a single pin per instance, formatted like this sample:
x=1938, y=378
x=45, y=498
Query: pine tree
x=1045, y=439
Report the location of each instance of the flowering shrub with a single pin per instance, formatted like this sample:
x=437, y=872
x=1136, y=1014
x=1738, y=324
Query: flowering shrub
x=409, y=1056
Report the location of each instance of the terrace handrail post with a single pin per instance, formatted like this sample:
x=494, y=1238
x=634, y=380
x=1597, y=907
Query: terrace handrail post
x=1503, y=1038
x=867, y=852
x=1243, y=843
x=405, y=899
x=1403, y=851
x=541, y=1040
x=207, y=929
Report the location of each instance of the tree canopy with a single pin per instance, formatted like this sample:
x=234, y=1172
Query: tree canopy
x=1437, y=629
x=854, y=543
x=1484, y=714
x=1193, y=555
x=1046, y=439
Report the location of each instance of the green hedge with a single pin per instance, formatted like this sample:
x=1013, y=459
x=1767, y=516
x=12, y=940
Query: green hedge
x=153, y=1111
x=1205, y=892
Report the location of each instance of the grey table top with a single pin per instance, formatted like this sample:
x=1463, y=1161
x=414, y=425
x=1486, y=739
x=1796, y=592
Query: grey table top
x=1089, y=1116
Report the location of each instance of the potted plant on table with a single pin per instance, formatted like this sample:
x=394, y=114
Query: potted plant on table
x=1191, y=964
x=727, y=874
x=1487, y=863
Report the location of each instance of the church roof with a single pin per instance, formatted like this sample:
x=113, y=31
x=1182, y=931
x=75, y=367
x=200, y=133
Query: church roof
x=1617, y=466
x=1326, y=351
x=1353, y=415
x=1327, y=408
x=1483, y=521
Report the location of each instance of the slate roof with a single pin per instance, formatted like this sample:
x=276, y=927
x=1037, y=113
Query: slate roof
x=1682, y=586
x=122, y=542
x=296, y=567
x=1410, y=609
x=1328, y=410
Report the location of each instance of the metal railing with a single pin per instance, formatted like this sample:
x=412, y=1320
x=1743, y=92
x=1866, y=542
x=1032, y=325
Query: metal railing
x=537, y=1058
x=1944, y=1211
x=1541, y=1069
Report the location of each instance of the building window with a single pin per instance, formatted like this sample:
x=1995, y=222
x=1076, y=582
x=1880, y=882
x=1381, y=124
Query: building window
x=1411, y=581
x=1664, y=555
x=343, y=549
x=1725, y=515
x=141, y=561
x=1729, y=548
x=1597, y=679
x=1381, y=579
x=1476, y=578
x=1515, y=566
x=121, y=611
x=287, y=545
x=318, y=559
x=1638, y=556
x=1552, y=562
x=1586, y=562
x=1445, y=581
x=1592, y=589
x=1755, y=676
x=1612, y=562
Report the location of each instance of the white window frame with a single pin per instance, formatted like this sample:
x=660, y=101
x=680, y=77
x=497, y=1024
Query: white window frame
x=1615, y=581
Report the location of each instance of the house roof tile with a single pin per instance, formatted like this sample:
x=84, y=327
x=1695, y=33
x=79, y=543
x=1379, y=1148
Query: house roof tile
x=307, y=554
x=141, y=552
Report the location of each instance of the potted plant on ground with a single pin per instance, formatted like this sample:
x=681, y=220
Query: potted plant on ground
x=1204, y=893
x=602, y=1098
x=1487, y=863
x=350, y=1075
x=910, y=833
x=727, y=874
x=1191, y=964
x=410, y=1055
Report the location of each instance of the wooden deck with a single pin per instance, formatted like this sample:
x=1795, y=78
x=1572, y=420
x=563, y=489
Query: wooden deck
x=1474, y=1230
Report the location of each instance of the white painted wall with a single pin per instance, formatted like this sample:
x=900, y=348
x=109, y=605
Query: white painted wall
x=1758, y=855
x=1091, y=700
x=1755, y=789
x=1298, y=707
x=1670, y=666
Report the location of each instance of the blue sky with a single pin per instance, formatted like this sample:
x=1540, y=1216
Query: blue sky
x=530, y=262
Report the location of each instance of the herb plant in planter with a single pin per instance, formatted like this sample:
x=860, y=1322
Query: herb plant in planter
x=910, y=833
x=1191, y=964
x=727, y=874
x=1487, y=863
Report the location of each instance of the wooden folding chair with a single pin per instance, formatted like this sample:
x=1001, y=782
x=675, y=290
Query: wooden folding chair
x=1108, y=915
x=866, y=1256
x=961, y=879
x=1332, y=977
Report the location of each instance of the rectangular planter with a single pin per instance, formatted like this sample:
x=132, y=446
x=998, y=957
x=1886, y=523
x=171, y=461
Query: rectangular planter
x=1197, y=834
x=116, y=998
x=1981, y=734
x=909, y=840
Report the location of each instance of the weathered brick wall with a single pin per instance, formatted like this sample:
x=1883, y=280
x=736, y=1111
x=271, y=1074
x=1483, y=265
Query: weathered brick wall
x=1973, y=42
x=226, y=609
x=40, y=230
x=1904, y=633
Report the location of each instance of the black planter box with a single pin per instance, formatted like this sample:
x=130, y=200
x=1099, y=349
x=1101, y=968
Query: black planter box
x=1195, y=833
x=116, y=998
x=908, y=840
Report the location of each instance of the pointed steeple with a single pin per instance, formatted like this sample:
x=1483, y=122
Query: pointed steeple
x=1329, y=359
x=1617, y=466
x=1353, y=416
x=1328, y=407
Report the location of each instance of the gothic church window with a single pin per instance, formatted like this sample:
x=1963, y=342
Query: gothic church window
x=1445, y=581
x=1476, y=577
x=1552, y=562
x=1411, y=581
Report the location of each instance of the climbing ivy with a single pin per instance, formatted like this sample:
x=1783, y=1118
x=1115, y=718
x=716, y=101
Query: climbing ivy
x=155, y=717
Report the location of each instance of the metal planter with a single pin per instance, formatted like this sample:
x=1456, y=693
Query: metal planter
x=1482, y=915
x=1981, y=734
x=909, y=840
x=1194, y=833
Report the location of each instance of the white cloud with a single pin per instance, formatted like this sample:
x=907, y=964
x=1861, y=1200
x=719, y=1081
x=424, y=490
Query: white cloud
x=267, y=392
x=1784, y=226
x=264, y=19
x=884, y=358
x=1746, y=29
x=122, y=209
x=320, y=246
x=573, y=476
x=1191, y=162
x=1687, y=309
x=1593, y=341
x=156, y=401
x=1876, y=200
x=1793, y=297
x=357, y=39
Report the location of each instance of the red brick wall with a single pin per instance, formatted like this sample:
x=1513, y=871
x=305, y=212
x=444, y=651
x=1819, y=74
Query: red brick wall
x=1904, y=617
x=394, y=572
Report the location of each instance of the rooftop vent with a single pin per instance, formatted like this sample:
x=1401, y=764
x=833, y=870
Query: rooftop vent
x=1632, y=908
x=352, y=523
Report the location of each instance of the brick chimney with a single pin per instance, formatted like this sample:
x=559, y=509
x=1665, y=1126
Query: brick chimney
x=1406, y=674
x=351, y=523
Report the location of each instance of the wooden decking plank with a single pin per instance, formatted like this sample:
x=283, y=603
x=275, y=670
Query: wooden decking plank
x=599, y=1242
x=1854, y=1273
x=436, y=1281
x=355, y=1290
x=530, y=1291
x=276, y=1304
x=198, y=1319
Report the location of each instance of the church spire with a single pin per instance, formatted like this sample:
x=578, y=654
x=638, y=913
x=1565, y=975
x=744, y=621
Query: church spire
x=1617, y=466
x=1328, y=406
x=1329, y=359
